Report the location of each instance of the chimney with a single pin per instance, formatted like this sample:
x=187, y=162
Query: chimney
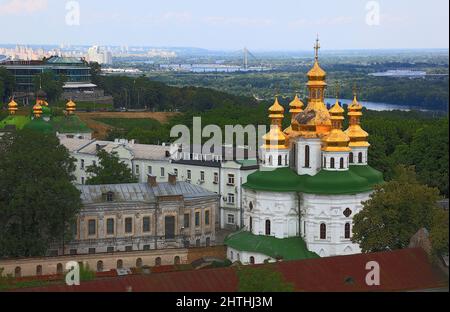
x=172, y=179
x=151, y=180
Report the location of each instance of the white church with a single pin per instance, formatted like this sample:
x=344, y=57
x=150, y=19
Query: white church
x=312, y=180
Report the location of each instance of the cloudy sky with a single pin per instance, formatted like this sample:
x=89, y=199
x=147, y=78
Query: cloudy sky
x=229, y=24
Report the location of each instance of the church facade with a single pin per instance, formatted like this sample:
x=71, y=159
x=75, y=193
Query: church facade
x=313, y=179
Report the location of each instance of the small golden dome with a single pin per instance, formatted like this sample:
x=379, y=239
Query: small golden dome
x=71, y=107
x=336, y=109
x=12, y=107
x=296, y=106
x=275, y=138
x=276, y=110
x=37, y=110
x=358, y=137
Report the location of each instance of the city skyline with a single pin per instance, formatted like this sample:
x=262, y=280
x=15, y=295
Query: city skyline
x=269, y=26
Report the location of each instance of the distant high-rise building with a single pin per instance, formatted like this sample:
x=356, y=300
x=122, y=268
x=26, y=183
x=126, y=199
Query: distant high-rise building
x=99, y=55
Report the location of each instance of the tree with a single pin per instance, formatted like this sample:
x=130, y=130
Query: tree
x=396, y=211
x=7, y=84
x=51, y=84
x=262, y=280
x=38, y=202
x=110, y=170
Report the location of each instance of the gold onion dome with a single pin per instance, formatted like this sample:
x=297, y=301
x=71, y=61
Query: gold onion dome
x=336, y=140
x=358, y=137
x=296, y=106
x=37, y=110
x=12, y=107
x=71, y=107
x=275, y=138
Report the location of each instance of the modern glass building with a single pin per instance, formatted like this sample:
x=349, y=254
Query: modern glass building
x=76, y=71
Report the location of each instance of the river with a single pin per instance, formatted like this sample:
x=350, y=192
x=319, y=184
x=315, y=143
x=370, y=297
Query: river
x=377, y=106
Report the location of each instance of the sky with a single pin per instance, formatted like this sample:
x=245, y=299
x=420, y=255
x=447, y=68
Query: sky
x=260, y=25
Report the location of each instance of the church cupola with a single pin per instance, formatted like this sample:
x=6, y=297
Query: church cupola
x=358, y=137
x=37, y=110
x=296, y=107
x=336, y=144
x=275, y=151
x=12, y=107
x=71, y=107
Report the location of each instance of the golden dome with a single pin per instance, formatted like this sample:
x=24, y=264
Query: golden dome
x=336, y=140
x=12, y=107
x=317, y=73
x=358, y=137
x=296, y=106
x=276, y=110
x=71, y=107
x=37, y=110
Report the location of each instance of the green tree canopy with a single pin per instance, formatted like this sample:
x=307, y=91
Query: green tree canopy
x=7, y=84
x=38, y=202
x=51, y=84
x=110, y=170
x=396, y=211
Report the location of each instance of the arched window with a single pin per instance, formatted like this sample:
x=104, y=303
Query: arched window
x=347, y=231
x=158, y=261
x=323, y=231
x=139, y=262
x=208, y=242
x=100, y=266
x=119, y=264
x=59, y=268
x=250, y=225
x=39, y=270
x=332, y=163
x=177, y=260
x=231, y=255
x=307, y=156
x=351, y=158
x=268, y=230
x=250, y=206
x=360, y=158
x=324, y=162
x=18, y=272
x=342, y=163
x=286, y=159
x=252, y=260
x=280, y=160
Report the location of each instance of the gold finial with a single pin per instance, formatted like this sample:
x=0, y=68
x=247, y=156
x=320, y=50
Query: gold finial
x=316, y=48
x=355, y=90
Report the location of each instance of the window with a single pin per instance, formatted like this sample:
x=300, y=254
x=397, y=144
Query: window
x=110, y=197
x=207, y=217
x=332, y=165
x=82, y=164
x=270, y=161
x=197, y=243
x=75, y=229
x=175, y=172
x=187, y=220
x=100, y=266
x=146, y=247
x=110, y=226
x=146, y=224
x=189, y=175
x=110, y=249
x=250, y=224
x=128, y=248
x=216, y=178
x=230, y=199
x=342, y=163
x=231, y=255
x=208, y=242
x=250, y=206
x=348, y=212
x=149, y=169
x=202, y=176
x=230, y=219
x=307, y=156
x=163, y=173
x=91, y=251
x=158, y=261
x=128, y=225
x=136, y=168
x=94, y=163
x=176, y=260
x=39, y=270
x=139, y=262
x=347, y=231
x=92, y=227
x=119, y=264
x=351, y=158
x=360, y=158
x=252, y=260
x=231, y=179
x=18, y=272
x=323, y=231
x=280, y=160
x=268, y=227
x=324, y=162
x=73, y=252
x=82, y=180
x=197, y=219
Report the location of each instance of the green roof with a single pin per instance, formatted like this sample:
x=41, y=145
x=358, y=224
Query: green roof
x=18, y=121
x=293, y=248
x=70, y=124
x=357, y=179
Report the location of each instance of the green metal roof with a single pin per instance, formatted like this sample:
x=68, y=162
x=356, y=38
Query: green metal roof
x=18, y=121
x=62, y=124
x=357, y=179
x=293, y=248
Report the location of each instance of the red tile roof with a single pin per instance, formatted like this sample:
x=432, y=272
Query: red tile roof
x=401, y=270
